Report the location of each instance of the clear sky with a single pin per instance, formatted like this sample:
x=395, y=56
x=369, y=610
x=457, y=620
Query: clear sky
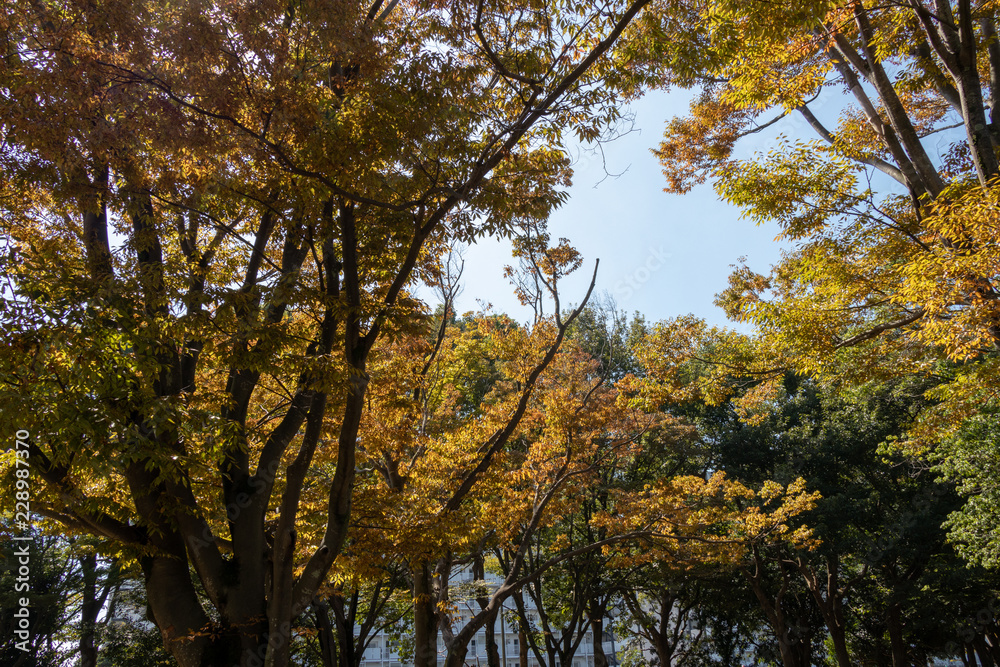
x=661, y=254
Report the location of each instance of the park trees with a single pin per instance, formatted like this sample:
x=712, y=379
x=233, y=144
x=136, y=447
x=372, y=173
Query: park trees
x=213, y=214
x=55, y=578
x=868, y=578
x=868, y=270
x=533, y=517
x=890, y=208
x=76, y=598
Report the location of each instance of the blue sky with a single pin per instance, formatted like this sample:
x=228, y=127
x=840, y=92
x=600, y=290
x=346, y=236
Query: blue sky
x=661, y=254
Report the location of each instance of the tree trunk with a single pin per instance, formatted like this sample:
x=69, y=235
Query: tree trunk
x=88, y=611
x=839, y=637
x=492, y=649
x=529, y=641
x=664, y=653
x=789, y=656
x=894, y=625
x=597, y=627
x=456, y=655
x=788, y=643
x=173, y=602
x=425, y=618
x=983, y=651
x=828, y=596
x=324, y=630
x=796, y=651
x=994, y=641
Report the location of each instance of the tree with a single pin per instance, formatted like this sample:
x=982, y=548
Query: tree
x=349, y=618
x=213, y=214
x=968, y=457
x=541, y=506
x=126, y=637
x=664, y=610
x=877, y=546
x=893, y=269
x=70, y=589
x=100, y=579
x=48, y=582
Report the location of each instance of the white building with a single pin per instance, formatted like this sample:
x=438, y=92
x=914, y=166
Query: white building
x=381, y=653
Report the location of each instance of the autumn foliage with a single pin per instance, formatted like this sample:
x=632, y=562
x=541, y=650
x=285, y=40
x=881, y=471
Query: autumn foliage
x=217, y=220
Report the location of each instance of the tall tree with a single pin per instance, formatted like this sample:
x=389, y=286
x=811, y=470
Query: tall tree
x=878, y=544
x=44, y=571
x=890, y=207
x=213, y=213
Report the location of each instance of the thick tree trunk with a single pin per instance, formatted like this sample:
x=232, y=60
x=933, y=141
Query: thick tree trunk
x=789, y=644
x=597, y=628
x=176, y=612
x=664, y=653
x=796, y=650
x=894, y=626
x=804, y=652
x=839, y=637
x=789, y=654
x=492, y=648
x=425, y=618
x=457, y=655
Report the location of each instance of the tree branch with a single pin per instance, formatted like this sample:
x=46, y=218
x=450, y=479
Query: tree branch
x=876, y=330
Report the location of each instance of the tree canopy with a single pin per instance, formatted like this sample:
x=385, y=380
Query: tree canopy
x=889, y=205
x=216, y=221
x=213, y=214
